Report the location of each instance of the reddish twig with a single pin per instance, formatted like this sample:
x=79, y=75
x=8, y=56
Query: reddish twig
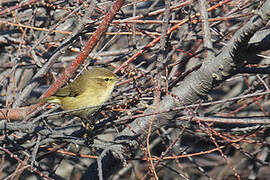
x=8, y=10
x=21, y=113
x=67, y=74
x=175, y=27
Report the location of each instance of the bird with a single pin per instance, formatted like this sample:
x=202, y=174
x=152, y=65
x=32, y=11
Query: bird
x=88, y=92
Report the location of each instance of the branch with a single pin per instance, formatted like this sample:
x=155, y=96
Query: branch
x=197, y=85
x=67, y=74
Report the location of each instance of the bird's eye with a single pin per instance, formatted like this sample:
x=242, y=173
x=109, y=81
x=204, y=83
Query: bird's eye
x=106, y=79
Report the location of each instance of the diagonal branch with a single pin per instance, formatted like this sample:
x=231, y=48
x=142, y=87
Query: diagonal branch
x=67, y=74
x=197, y=85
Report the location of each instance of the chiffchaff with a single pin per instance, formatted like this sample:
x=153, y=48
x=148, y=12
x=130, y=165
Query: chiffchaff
x=91, y=89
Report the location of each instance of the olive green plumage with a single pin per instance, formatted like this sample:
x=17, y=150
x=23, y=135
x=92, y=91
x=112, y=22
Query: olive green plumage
x=91, y=89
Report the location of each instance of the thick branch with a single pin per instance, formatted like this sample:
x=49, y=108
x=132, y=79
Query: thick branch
x=195, y=86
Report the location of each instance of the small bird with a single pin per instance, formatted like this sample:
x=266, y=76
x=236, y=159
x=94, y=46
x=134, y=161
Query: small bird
x=91, y=89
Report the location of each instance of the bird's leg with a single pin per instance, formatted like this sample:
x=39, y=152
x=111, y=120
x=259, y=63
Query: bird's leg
x=89, y=125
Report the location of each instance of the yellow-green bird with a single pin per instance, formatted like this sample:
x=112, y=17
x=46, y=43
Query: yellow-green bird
x=91, y=89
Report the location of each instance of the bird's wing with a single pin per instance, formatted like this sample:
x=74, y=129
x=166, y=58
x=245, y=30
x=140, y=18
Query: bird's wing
x=71, y=90
x=67, y=91
x=63, y=92
x=74, y=88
